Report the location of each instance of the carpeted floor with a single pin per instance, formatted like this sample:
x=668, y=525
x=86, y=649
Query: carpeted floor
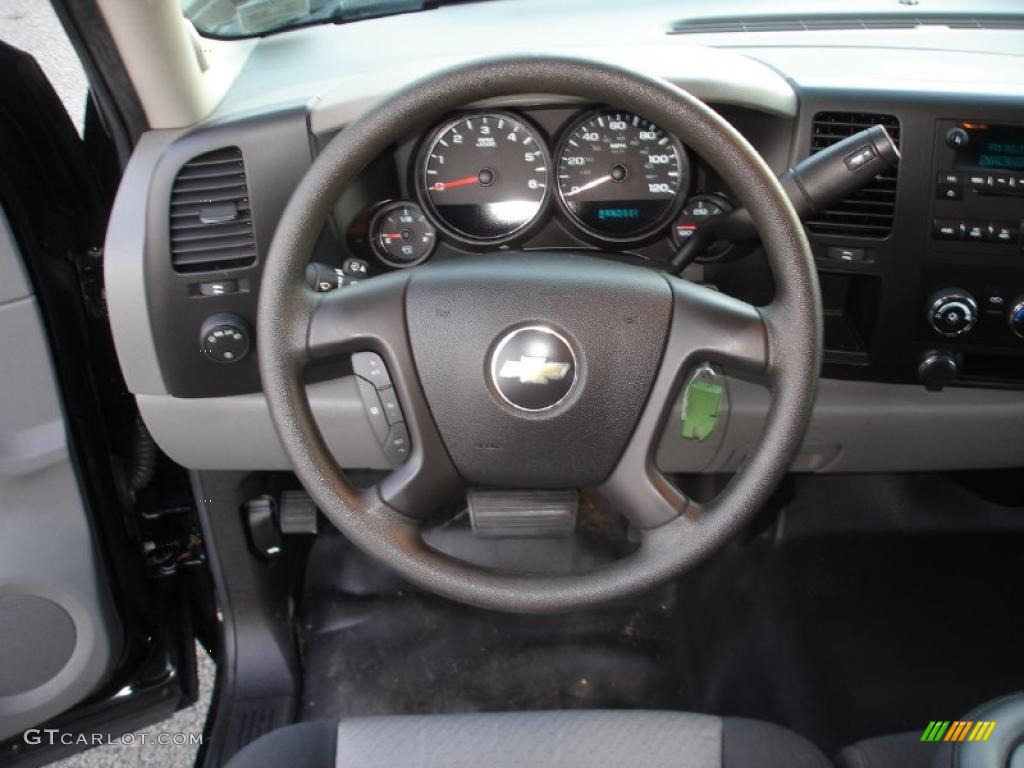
x=875, y=605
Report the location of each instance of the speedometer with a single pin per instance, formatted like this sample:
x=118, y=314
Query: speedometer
x=620, y=177
x=484, y=176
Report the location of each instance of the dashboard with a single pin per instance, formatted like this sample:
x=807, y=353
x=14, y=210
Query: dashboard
x=922, y=272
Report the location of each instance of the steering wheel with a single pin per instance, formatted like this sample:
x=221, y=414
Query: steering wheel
x=630, y=335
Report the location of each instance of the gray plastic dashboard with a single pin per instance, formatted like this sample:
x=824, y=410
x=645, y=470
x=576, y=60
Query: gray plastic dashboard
x=858, y=426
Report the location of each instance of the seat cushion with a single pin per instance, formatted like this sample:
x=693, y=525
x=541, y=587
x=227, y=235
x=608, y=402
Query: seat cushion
x=1002, y=749
x=563, y=739
x=899, y=750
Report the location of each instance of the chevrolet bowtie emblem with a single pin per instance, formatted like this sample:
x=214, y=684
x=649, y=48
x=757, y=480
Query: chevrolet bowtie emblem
x=533, y=370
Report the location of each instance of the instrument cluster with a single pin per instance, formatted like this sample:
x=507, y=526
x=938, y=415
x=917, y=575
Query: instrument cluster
x=491, y=178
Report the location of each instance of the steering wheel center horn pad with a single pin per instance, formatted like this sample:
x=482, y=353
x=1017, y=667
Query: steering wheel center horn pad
x=612, y=318
x=457, y=339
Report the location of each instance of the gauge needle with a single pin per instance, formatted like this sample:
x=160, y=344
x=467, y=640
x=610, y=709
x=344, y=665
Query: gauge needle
x=589, y=185
x=441, y=186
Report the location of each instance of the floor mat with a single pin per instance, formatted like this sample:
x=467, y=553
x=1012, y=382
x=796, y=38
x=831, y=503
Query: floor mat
x=421, y=654
x=879, y=603
x=849, y=638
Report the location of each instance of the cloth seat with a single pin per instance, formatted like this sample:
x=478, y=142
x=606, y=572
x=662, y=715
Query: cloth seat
x=560, y=739
x=1004, y=748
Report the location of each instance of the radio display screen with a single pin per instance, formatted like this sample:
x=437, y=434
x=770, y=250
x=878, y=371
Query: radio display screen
x=996, y=147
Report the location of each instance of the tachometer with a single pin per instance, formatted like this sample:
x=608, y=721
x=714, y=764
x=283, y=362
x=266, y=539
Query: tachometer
x=484, y=176
x=620, y=177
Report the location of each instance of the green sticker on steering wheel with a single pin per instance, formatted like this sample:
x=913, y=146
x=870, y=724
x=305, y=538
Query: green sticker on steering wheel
x=700, y=404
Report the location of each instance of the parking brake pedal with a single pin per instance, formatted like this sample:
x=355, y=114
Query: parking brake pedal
x=523, y=514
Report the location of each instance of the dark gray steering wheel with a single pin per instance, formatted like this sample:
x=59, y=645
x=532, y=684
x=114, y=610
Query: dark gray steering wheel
x=634, y=332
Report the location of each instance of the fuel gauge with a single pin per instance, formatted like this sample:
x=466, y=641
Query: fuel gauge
x=401, y=235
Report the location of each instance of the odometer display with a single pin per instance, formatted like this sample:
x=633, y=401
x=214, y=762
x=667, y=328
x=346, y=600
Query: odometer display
x=484, y=176
x=620, y=177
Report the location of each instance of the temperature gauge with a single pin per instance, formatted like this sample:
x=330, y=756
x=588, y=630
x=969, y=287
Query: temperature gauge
x=694, y=214
x=401, y=235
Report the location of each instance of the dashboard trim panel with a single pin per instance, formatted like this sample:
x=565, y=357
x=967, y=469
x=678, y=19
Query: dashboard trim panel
x=872, y=420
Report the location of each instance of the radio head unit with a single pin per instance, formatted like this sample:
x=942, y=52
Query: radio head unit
x=988, y=147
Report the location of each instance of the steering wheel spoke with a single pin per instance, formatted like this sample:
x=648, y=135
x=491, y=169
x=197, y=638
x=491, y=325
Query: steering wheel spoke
x=642, y=494
x=710, y=326
x=707, y=326
x=370, y=317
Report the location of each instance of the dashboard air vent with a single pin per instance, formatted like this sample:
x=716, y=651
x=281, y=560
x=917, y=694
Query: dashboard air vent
x=211, y=223
x=869, y=212
x=834, y=22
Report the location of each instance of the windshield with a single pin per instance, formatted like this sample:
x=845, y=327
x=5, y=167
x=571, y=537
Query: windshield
x=247, y=18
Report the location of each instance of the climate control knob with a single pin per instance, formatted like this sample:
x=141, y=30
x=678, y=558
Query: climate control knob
x=952, y=312
x=1016, y=317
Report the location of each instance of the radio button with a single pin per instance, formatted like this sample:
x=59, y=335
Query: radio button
x=1001, y=183
x=976, y=231
x=950, y=186
x=978, y=181
x=1004, y=232
x=946, y=229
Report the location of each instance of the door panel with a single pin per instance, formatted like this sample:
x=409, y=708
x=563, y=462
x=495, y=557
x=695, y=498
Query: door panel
x=59, y=634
